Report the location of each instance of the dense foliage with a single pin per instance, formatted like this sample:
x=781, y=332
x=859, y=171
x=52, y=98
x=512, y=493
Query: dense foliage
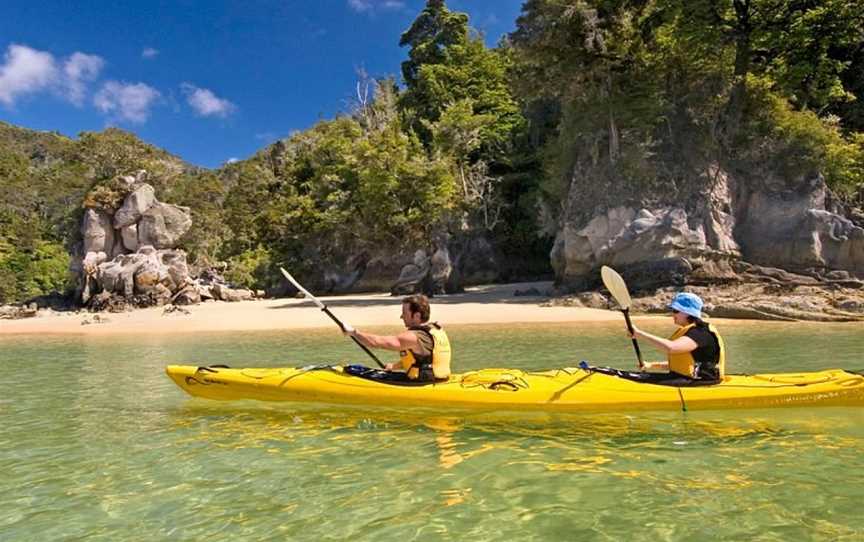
x=45, y=179
x=445, y=156
x=339, y=188
x=650, y=94
x=613, y=100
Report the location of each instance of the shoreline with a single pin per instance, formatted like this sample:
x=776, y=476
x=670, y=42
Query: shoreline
x=492, y=304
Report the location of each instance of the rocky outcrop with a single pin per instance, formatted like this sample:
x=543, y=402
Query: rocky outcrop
x=162, y=225
x=763, y=294
x=783, y=225
x=132, y=251
x=448, y=269
x=97, y=231
x=789, y=225
x=359, y=273
x=414, y=276
x=225, y=293
x=134, y=206
x=474, y=262
x=140, y=220
x=153, y=277
x=663, y=244
x=445, y=267
x=154, y=274
x=15, y=312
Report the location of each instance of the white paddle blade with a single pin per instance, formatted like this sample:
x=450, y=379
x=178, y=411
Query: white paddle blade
x=616, y=286
x=302, y=289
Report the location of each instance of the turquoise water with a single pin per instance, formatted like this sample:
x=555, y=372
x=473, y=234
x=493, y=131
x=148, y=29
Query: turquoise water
x=97, y=444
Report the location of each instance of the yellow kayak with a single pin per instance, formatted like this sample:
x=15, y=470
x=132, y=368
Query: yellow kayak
x=561, y=390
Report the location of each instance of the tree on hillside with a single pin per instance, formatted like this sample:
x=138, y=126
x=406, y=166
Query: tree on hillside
x=852, y=112
x=35, y=190
x=347, y=186
x=589, y=59
x=458, y=99
x=446, y=65
x=434, y=30
x=801, y=48
x=653, y=93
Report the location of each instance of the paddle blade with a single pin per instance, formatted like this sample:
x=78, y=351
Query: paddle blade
x=302, y=289
x=616, y=286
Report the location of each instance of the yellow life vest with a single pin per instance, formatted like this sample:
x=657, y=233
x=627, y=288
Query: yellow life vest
x=685, y=363
x=439, y=360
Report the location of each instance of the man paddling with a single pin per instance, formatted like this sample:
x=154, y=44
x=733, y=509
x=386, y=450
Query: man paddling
x=424, y=348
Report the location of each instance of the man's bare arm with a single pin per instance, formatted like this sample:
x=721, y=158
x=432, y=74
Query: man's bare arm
x=404, y=341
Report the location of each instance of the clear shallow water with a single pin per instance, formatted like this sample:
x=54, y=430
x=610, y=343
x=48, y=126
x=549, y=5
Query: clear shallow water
x=96, y=443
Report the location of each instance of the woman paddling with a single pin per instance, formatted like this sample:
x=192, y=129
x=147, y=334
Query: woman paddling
x=695, y=352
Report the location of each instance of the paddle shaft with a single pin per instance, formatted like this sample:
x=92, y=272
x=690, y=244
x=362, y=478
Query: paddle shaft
x=635, y=342
x=353, y=338
x=332, y=316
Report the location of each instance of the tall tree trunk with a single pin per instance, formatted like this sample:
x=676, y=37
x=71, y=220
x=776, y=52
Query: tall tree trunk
x=735, y=107
x=464, y=182
x=614, y=145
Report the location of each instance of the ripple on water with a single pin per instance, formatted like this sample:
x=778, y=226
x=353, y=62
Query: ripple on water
x=97, y=444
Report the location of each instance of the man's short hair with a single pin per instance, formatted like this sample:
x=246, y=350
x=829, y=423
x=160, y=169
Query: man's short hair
x=418, y=303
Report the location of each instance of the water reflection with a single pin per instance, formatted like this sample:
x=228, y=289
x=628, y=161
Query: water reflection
x=96, y=443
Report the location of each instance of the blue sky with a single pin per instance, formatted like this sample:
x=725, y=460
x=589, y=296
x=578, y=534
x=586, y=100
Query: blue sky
x=208, y=81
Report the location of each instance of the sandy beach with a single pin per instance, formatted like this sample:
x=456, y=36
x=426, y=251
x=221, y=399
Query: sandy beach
x=478, y=305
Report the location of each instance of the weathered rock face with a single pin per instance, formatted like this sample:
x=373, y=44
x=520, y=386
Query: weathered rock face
x=224, y=293
x=624, y=237
x=97, y=231
x=783, y=225
x=132, y=252
x=148, y=272
x=440, y=270
x=413, y=275
x=135, y=205
x=475, y=262
x=356, y=269
x=787, y=225
x=451, y=266
x=445, y=267
x=163, y=224
x=129, y=236
x=140, y=221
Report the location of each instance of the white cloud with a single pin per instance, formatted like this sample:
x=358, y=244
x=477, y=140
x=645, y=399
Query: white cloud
x=371, y=5
x=491, y=20
x=232, y=160
x=205, y=103
x=28, y=71
x=25, y=71
x=80, y=69
x=126, y=101
x=360, y=5
x=149, y=52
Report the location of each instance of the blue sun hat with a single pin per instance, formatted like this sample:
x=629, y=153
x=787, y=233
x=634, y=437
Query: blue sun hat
x=689, y=304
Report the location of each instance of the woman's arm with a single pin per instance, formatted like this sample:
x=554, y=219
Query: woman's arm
x=680, y=345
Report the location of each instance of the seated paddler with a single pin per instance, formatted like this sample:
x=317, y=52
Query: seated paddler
x=424, y=349
x=695, y=351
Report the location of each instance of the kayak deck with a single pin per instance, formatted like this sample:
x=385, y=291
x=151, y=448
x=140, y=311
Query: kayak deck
x=561, y=390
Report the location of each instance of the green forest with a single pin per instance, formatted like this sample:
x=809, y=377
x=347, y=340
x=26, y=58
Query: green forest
x=638, y=97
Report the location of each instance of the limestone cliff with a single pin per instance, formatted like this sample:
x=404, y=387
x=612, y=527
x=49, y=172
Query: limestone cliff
x=790, y=224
